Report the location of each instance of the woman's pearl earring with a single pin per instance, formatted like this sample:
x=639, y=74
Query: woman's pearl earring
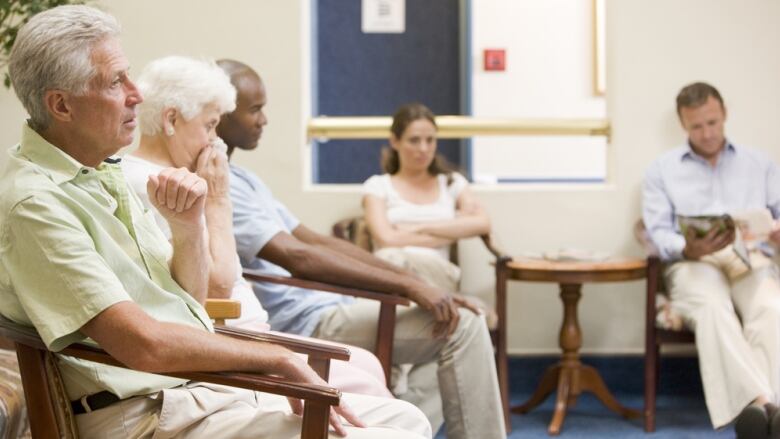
x=169, y=131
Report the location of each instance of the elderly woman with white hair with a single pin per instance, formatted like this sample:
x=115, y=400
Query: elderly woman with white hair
x=186, y=98
x=183, y=101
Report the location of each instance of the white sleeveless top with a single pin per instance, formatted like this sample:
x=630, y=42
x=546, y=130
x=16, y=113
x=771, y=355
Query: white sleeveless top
x=253, y=316
x=400, y=210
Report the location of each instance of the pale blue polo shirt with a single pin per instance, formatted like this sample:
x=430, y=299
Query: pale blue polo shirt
x=258, y=217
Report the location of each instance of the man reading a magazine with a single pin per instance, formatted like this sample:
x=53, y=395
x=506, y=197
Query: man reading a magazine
x=733, y=307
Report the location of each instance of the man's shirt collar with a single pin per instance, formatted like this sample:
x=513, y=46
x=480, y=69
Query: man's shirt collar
x=60, y=166
x=689, y=153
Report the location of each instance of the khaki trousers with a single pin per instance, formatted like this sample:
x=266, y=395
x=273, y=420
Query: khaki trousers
x=203, y=410
x=417, y=383
x=466, y=369
x=737, y=326
x=432, y=269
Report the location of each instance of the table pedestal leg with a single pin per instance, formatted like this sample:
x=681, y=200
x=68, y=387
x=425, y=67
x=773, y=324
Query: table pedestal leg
x=592, y=382
x=570, y=377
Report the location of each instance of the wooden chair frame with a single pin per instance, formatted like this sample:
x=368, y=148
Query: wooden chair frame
x=350, y=229
x=49, y=409
x=387, y=303
x=655, y=336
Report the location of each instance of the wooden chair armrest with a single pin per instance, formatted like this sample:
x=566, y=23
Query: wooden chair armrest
x=302, y=346
x=221, y=309
x=312, y=285
x=387, y=305
x=487, y=239
x=252, y=381
x=245, y=380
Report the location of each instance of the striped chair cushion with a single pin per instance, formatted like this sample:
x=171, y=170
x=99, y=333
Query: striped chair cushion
x=13, y=412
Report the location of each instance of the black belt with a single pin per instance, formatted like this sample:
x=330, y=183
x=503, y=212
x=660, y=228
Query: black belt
x=94, y=402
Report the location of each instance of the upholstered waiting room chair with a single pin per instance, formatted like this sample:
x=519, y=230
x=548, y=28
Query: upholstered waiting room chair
x=355, y=230
x=49, y=408
x=655, y=336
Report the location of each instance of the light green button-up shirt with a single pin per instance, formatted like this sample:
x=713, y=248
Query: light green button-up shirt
x=65, y=257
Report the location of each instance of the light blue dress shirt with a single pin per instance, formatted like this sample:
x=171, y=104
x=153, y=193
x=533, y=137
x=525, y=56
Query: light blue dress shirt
x=257, y=218
x=682, y=182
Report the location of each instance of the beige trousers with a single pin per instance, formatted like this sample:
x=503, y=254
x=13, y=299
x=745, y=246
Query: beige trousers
x=417, y=383
x=466, y=370
x=737, y=326
x=434, y=270
x=203, y=410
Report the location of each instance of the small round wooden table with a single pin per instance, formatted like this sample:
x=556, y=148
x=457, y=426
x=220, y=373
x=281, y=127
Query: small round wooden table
x=569, y=376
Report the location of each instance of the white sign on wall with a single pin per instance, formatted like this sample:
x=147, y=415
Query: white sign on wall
x=384, y=16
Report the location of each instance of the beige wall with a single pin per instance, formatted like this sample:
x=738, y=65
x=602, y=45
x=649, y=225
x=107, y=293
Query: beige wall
x=653, y=49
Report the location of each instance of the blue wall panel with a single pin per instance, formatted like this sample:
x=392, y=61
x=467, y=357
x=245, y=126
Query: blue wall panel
x=361, y=74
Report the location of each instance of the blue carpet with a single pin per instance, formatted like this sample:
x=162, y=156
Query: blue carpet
x=680, y=411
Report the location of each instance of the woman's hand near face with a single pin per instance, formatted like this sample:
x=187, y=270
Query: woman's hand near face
x=212, y=166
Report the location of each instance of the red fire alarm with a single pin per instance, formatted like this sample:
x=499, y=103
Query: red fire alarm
x=495, y=60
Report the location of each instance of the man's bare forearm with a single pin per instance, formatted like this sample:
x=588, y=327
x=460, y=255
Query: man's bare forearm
x=183, y=348
x=325, y=265
x=133, y=337
x=347, y=249
x=317, y=263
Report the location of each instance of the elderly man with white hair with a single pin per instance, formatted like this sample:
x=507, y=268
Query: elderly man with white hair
x=81, y=260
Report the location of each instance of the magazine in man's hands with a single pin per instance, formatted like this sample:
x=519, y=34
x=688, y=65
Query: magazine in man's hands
x=755, y=224
x=702, y=224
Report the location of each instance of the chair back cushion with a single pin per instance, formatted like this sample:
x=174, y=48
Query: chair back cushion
x=354, y=230
x=60, y=402
x=48, y=406
x=13, y=412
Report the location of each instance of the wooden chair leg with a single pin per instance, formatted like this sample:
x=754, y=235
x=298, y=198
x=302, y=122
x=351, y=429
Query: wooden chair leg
x=321, y=366
x=651, y=385
x=315, y=420
x=503, y=380
x=43, y=421
x=385, y=335
x=651, y=346
x=501, y=356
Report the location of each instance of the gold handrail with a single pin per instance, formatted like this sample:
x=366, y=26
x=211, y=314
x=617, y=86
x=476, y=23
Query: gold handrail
x=456, y=127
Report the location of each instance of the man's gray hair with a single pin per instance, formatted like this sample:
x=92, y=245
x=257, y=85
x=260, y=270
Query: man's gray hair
x=186, y=84
x=52, y=52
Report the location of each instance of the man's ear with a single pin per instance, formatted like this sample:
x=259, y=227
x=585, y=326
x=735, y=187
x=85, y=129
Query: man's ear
x=58, y=105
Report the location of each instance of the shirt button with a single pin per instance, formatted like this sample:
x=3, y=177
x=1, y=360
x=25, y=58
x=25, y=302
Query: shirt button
x=84, y=171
